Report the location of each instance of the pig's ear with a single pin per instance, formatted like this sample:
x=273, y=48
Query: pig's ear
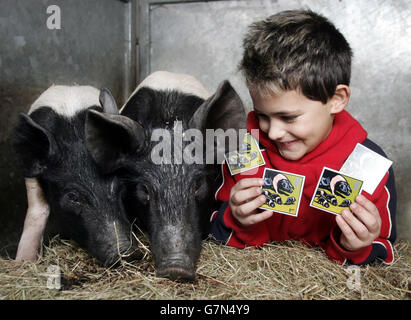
x=139, y=105
x=108, y=102
x=33, y=145
x=223, y=110
x=110, y=139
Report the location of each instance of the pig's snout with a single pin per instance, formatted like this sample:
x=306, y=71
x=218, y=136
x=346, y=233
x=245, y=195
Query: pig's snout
x=176, y=269
x=176, y=249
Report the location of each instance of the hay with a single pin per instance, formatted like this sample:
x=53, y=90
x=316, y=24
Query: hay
x=287, y=270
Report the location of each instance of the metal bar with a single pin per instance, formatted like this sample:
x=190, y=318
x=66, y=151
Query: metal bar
x=129, y=52
x=144, y=38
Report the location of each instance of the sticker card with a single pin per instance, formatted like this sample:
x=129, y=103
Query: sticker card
x=246, y=158
x=283, y=191
x=366, y=165
x=335, y=191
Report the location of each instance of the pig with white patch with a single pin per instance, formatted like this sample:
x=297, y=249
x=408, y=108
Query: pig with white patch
x=279, y=183
x=335, y=183
x=172, y=201
x=63, y=183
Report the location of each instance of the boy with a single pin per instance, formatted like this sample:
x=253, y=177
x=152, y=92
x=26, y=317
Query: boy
x=297, y=67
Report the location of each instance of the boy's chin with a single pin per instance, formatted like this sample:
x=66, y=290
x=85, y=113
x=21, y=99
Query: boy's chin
x=292, y=155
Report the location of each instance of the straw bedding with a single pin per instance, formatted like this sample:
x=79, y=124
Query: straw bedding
x=285, y=270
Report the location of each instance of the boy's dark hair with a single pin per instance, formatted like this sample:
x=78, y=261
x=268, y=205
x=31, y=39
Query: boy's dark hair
x=296, y=49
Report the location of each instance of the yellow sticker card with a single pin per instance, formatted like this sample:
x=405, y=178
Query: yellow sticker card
x=282, y=191
x=335, y=191
x=246, y=158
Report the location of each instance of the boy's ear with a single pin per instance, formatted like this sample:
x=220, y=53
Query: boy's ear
x=340, y=98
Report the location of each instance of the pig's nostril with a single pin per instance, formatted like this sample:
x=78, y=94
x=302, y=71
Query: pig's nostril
x=176, y=274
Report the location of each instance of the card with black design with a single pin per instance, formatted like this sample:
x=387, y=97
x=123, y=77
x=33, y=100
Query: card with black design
x=335, y=191
x=247, y=157
x=283, y=191
x=366, y=165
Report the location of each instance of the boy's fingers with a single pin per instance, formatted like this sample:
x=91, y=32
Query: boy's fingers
x=370, y=220
x=256, y=218
x=356, y=225
x=367, y=204
x=248, y=183
x=250, y=207
x=242, y=196
x=346, y=229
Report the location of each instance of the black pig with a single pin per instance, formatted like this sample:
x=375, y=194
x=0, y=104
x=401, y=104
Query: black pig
x=278, y=183
x=335, y=183
x=172, y=201
x=62, y=179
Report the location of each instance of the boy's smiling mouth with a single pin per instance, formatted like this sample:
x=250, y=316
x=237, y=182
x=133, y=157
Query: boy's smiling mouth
x=291, y=149
x=286, y=144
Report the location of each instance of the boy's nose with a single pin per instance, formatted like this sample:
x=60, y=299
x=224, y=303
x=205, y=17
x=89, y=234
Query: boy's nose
x=275, y=131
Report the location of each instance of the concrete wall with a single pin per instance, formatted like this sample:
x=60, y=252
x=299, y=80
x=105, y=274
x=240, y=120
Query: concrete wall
x=204, y=39
x=95, y=46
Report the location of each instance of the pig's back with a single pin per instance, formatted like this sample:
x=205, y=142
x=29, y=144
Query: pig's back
x=168, y=81
x=67, y=100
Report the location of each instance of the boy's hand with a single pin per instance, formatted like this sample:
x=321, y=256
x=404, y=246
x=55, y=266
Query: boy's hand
x=360, y=226
x=245, y=198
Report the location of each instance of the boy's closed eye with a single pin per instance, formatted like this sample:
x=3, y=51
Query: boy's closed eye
x=283, y=117
x=261, y=115
x=288, y=118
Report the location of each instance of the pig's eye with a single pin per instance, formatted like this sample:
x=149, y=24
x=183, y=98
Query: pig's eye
x=142, y=193
x=73, y=198
x=72, y=201
x=198, y=186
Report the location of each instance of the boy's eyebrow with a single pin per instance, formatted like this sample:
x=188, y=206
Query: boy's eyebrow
x=279, y=113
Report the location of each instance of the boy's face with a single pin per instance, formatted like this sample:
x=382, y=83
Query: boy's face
x=296, y=124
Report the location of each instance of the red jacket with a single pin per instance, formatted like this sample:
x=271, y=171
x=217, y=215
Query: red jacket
x=311, y=226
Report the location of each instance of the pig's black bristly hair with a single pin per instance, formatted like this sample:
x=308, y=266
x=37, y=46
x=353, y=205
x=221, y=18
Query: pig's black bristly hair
x=159, y=109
